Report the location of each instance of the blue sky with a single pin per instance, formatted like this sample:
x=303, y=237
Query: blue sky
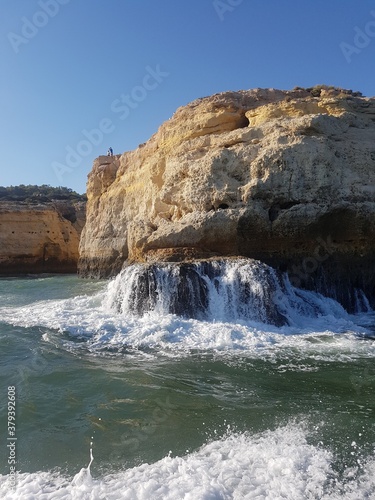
x=79, y=76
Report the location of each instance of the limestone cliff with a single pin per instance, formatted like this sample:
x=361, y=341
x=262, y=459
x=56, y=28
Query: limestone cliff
x=287, y=177
x=40, y=238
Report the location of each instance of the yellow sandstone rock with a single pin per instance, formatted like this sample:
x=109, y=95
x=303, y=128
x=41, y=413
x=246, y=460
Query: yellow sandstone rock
x=37, y=238
x=263, y=173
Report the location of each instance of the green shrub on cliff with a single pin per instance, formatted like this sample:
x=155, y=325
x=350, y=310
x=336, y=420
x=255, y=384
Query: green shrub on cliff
x=39, y=194
x=330, y=89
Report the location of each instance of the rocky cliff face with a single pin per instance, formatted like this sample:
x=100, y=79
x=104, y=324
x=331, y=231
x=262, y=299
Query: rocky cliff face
x=40, y=238
x=286, y=177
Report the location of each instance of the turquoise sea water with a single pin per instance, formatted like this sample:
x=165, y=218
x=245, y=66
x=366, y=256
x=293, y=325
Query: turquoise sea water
x=165, y=407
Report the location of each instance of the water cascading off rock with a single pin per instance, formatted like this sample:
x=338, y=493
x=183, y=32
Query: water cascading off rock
x=222, y=290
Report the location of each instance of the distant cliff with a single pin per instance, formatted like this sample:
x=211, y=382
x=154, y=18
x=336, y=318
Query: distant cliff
x=286, y=177
x=39, y=233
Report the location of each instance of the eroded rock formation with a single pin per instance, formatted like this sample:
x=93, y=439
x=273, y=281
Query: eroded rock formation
x=286, y=177
x=40, y=238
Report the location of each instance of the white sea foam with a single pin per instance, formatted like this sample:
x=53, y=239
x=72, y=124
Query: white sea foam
x=83, y=318
x=318, y=326
x=279, y=464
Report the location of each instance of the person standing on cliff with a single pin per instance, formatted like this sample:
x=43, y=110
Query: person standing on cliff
x=110, y=152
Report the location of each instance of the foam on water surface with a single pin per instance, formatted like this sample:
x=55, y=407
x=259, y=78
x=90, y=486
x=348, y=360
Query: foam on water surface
x=284, y=462
x=278, y=464
x=239, y=301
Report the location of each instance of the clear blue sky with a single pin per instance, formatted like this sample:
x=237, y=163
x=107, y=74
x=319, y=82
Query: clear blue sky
x=124, y=66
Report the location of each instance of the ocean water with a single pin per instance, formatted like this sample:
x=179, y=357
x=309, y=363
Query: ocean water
x=113, y=403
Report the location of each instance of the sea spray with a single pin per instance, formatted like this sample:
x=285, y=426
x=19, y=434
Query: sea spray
x=223, y=290
x=278, y=463
x=83, y=481
x=90, y=362
x=237, y=305
x=218, y=290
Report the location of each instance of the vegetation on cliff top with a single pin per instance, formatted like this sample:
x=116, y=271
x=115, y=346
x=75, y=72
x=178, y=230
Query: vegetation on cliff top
x=329, y=89
x=39, y=194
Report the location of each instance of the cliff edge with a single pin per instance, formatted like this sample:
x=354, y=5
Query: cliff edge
x=286, y=177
